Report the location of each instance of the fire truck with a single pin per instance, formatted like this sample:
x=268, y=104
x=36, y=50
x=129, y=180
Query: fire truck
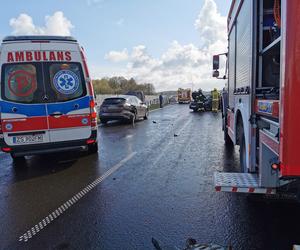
x=261, y=99
x=184, y=95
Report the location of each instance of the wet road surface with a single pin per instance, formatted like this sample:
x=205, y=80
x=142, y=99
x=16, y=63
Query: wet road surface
x=150, y=180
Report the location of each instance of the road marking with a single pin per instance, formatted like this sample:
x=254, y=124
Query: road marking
x=65, y=206
x=166, y=146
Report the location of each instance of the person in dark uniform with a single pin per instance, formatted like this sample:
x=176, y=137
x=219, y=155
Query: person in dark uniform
x=160, y=101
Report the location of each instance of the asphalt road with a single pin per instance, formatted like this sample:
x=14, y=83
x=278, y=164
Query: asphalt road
x=150, y=180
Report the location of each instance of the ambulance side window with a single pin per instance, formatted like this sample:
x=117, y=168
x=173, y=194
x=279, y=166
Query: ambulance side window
x=20, y=83
x=66, y=81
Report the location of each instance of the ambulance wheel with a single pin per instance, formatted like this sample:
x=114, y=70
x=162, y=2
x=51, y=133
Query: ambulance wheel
x=17, y=158
x=243, y=164
x=93, y=148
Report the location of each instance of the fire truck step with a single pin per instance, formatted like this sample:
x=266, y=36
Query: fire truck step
x=239, y=183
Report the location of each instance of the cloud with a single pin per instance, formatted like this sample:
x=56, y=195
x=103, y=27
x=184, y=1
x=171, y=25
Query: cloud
x=211, y=25
x=117, y=56
x=57, y=24
x=182, y=65
x=120, y=22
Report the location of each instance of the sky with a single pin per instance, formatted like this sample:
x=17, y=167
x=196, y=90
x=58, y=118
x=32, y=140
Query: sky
x=168, y=43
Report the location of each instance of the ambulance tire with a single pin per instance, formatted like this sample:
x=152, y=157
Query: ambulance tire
x=93, y=148
x=243, y=165
x=17, y=158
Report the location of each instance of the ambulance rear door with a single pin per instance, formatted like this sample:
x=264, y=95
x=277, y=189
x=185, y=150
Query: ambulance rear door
x=68, y=103
x=23, y=111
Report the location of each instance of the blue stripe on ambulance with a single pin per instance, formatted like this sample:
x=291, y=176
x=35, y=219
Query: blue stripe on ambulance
x=66, y=107
x=29, y=110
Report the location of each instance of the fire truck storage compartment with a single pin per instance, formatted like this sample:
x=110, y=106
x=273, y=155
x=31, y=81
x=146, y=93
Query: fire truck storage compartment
x=269, y=41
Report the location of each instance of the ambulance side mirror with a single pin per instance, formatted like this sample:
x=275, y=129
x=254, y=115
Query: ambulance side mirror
x=216, y=62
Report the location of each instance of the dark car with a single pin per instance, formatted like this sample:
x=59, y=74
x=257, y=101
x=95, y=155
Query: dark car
x=138, y=94
x=123, y=107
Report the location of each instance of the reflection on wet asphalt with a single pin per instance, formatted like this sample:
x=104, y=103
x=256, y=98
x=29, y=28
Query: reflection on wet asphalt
x=165, y=191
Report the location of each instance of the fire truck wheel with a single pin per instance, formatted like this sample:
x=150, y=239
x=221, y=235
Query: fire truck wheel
x=242, y=152
x=227, y=139
x=93, y=148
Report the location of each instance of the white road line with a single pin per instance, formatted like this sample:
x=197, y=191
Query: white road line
x=61, y=209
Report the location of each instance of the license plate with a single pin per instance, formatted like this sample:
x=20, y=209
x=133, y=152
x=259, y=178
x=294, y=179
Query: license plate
x=112, y=108
x=26, y=139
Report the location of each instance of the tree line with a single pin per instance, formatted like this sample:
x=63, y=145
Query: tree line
x=121, y=85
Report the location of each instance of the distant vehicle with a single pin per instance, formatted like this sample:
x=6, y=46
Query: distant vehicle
x=47, y=100
x=123, y=107
x=138, y=94
x=199, y=100
x=173, y=99
x=184, y=95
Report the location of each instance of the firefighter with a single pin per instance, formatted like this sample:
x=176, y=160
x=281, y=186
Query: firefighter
x=215, y=100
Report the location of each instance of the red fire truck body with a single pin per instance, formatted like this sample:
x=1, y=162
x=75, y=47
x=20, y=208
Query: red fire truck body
x=261, y=100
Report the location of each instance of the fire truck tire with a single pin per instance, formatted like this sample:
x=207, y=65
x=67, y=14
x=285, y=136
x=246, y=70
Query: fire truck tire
x=93, y=148
x=243, y=165
x=227, y=139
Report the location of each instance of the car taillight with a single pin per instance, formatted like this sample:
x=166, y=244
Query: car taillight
x=93, y=114
x=6, y=149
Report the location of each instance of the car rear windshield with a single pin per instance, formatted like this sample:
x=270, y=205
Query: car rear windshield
x=42, y=82
x=113, y=101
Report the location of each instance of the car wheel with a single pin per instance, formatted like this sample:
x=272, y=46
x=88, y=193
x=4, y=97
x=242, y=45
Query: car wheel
x=133, y=118
x=103, y=121
x=93, y=148
x=146, y=115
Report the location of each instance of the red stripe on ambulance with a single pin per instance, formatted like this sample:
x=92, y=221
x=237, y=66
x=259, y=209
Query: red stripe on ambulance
x=24, y=124
x=69, y=121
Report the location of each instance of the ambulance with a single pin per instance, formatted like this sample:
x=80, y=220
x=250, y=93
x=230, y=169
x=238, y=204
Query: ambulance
x=47, y=100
